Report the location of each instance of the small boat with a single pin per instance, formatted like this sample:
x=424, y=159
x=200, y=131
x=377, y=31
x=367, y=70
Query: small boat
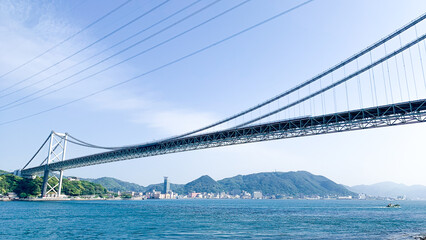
x=390, y=205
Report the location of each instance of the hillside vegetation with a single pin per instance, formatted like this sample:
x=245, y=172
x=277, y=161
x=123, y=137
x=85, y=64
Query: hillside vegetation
x=299, y=183
x=116, y=185
x=295, y=184
x=25, y=187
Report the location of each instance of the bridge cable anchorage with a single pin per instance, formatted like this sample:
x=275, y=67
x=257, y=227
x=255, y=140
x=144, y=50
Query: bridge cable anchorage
x=16, y=103
x=368, y=67
x=62, y=42
x=105, y=50
x=162, y=66
x=82, y=49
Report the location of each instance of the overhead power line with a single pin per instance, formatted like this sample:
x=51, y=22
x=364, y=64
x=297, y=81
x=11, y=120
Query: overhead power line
x=106, y=49
x=10, y=104
x=88, y=46
x=165, y=65
x=62, y=42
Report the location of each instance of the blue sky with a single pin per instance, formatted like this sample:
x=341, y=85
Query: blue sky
x=204, y=88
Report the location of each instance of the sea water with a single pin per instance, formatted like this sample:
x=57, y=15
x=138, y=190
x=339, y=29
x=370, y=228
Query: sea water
x=212, y=219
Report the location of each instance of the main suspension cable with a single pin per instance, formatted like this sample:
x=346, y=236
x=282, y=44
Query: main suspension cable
x=383, y=59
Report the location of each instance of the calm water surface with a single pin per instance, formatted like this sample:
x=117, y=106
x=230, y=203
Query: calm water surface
x=206, y=219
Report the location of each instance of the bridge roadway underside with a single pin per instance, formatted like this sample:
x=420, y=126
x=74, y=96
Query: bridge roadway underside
x=388, y=115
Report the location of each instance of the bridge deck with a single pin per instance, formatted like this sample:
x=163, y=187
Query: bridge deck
x=388, y=115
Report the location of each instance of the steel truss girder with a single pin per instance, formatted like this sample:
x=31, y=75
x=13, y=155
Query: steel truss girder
x=381, y=116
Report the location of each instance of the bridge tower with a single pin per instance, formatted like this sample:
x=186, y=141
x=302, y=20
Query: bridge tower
x=57, y=149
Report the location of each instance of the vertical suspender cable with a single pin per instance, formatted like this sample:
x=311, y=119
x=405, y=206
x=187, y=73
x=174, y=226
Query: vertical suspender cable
x=322, y=98
x=405, y=71
x=412, y=71
x=374, y=80
x=371, y=87
x=359, y=86
x=399, y=80
x=389, y=76
x=384, y=82
x=346, y=88
x=334, y=93
x=421, y=61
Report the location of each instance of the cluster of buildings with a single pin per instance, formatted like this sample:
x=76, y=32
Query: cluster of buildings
x=8, y=196
x=223, y=195
x=167, y=193
x=363, y=196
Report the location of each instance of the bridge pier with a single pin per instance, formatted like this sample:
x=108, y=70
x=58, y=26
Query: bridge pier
x=57, y=148
x=45, y=182
x=61, y=174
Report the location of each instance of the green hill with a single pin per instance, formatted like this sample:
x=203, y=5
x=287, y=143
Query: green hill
x=25, y=187
x=297, y=184
x=203, y=184
x=115, y=185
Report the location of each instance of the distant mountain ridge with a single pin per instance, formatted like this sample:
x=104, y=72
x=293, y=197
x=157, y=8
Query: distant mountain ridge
x=115, y=185
x=390, y=189
x=297, y=184
x=300, y=183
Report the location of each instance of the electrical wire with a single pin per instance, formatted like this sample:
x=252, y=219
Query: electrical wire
x=62, y=42
x=90, y=45
x=99, y=53
x=6, y=106
x=164, y=66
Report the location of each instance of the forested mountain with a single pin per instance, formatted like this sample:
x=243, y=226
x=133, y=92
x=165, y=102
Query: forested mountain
x=115, y=185
x=295, y=184
x=390, y=189
x=300, y=183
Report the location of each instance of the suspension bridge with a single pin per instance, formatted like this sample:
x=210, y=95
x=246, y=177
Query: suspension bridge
x=382, y=85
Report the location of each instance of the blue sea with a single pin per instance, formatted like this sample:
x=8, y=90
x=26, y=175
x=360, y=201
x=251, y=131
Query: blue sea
x=212, y=219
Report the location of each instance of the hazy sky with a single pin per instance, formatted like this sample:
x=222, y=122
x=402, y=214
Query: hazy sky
x=199, y=90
